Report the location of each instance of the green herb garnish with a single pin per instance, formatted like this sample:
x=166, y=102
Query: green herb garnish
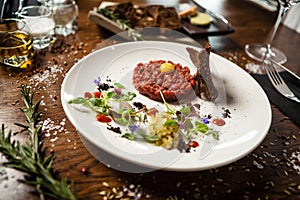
x=103, y=104
x=187, y=118
x=123, y=23
x=29, y=157
x=170, y=122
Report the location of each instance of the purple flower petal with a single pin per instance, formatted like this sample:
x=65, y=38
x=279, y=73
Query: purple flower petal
x=205, y=120
x=97, y=81
x=134, y=128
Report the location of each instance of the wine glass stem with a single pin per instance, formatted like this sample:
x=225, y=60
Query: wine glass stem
x=281, y=13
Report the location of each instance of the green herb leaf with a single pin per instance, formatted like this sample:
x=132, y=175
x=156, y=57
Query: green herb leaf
x=215, y=135
x=121, y=121
x=150, y=138
x=188, y=124
x=123, y=23
x=110, y=95
x=129, y=136
x=203, y=128
x=128, y=96
x=170, y=122
x=78, y=100
x=185, y=110
x=29, y=158
x=168, y=107
x=119, y=85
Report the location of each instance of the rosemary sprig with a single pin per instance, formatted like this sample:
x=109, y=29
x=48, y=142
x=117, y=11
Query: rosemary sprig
x=123, y=23
x=29, y=157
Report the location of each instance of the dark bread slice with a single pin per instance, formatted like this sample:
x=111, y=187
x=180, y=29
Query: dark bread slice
x=204, y=87
x=147, y=16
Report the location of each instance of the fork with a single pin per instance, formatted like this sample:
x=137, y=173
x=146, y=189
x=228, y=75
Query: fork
x=278, y=82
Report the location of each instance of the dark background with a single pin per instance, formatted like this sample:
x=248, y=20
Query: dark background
x=11, y=7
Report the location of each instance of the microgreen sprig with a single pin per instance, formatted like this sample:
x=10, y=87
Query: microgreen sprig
x=187, y=118
x=135, y=130
x=104, y=103
x=184, y=118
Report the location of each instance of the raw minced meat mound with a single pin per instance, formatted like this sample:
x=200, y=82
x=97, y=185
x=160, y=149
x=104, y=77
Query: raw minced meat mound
x=175, y=84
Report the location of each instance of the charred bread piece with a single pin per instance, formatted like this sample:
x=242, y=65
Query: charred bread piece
x=204, y=87
x=147, y=16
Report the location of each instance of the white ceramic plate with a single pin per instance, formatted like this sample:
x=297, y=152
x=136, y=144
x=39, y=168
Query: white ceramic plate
x=239, y=92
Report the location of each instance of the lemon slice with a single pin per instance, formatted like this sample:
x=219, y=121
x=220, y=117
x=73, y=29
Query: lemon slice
x=201, y=19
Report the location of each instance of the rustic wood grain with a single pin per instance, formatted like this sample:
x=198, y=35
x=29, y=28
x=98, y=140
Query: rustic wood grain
x=263, y=174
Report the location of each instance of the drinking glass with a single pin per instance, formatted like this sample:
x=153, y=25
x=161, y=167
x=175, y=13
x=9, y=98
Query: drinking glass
x=40, y=23
x=15, y=43
x=260, y=52
x=65, y=13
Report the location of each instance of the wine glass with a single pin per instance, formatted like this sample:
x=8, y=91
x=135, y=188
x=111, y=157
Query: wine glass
x=65, y=13
x=260, y=52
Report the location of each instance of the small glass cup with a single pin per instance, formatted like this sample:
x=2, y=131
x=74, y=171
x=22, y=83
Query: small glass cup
x=15, y=43
x=41, y=24
x=65, y=14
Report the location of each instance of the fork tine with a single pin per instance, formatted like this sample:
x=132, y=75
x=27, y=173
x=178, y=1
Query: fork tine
x=276, y=74
x=277, y=81
x=273, y=74
x=270, y=72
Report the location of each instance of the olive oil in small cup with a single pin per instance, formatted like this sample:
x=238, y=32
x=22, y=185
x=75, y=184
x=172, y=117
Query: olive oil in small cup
x=15, y=43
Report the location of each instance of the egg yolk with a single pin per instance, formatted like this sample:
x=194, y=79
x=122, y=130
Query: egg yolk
x=167, y=67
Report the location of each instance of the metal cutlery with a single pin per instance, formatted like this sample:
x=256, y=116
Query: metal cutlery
x=21, y=2
x=20, y=6
x=284, y=68
x=213, y=14
x=278, y=82
x=2, y=9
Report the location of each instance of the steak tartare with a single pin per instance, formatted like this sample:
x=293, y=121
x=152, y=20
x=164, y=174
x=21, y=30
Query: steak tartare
x=173, y=80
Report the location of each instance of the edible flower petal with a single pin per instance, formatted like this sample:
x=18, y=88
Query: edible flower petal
x=134, y=128
x=97, y=81
x=206, y=120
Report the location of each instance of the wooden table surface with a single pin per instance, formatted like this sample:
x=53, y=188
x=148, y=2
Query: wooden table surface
x=269, y=172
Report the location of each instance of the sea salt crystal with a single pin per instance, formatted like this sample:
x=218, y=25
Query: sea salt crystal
x=42, y=103
x=258, y=165
x=294, y=160
x=54, y=139
x=47, y=78
x=41, y=26
x=131, y=186
x=50, y=128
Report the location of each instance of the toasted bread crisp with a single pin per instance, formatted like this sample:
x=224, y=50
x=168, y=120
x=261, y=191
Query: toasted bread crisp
x=204, y=87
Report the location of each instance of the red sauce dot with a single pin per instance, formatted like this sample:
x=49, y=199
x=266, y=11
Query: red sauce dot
x=103, y=118
x=218, y=122
x=97, y=94
x=194, y=144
